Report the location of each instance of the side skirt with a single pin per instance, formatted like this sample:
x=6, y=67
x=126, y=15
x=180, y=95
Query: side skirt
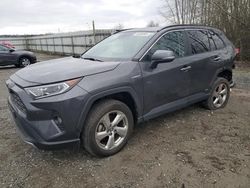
x=175, y=105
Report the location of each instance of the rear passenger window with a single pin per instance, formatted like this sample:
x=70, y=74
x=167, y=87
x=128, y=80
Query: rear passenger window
x=174, y=41
x=219, y=44
x=199, y=41
x=212, y=43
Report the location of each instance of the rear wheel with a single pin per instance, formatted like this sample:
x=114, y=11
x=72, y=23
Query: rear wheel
x=108, y=127
x=219, y=95
x=24, y=62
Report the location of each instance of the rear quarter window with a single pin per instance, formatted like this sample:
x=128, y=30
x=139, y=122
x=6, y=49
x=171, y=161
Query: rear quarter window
x=216, y=39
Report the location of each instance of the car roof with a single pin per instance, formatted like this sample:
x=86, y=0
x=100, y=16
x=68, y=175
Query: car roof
x=179, y=26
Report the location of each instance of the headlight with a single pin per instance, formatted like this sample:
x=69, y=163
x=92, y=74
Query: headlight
x=51, y=89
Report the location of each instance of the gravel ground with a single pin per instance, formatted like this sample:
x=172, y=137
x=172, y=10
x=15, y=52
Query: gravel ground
x=192, y=147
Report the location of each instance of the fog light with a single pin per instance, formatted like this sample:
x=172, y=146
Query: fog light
x=57, y=120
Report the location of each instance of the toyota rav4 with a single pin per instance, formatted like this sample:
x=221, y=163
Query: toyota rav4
x=130, y=77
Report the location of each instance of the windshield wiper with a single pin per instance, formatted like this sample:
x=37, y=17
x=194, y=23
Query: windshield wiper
x=92, y=59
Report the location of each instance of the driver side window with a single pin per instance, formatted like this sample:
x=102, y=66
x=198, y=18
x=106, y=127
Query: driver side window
x=174, y=41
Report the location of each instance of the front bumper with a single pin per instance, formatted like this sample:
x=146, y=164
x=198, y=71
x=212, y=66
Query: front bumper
x=37, y=121
x=31, y=136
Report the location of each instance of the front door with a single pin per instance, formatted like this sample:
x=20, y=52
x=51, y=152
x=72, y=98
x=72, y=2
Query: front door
x=167, y=82
x=6, y=57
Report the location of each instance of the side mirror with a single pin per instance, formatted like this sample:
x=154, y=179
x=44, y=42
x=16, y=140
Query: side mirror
x=161, y=56
x=11, y=50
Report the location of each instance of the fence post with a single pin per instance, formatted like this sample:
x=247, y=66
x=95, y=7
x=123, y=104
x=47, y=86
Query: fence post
x=40, y=40
x=46, y=40
x=93, y=24
x=85, y=39
x=54, y=46
x=26, y=40
x=62, y=45
x=73, y=47
x=35, y=40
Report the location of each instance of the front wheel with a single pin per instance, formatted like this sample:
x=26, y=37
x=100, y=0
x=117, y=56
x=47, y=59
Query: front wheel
x=219, y=95
x=108, y=127
x=24, y=62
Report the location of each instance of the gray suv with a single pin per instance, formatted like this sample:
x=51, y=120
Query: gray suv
x=19, y=58
x=130, y=77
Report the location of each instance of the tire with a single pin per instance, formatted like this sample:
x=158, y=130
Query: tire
x=98, y=131
x=24, y=61
x=219, y=95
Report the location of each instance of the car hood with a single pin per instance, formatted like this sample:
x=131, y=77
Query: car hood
x=62, y=69
x=22, y=52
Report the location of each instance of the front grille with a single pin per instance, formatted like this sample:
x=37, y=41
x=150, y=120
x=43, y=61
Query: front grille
x=18, y=102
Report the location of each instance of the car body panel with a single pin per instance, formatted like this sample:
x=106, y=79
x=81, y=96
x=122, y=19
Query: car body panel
x=38, y=117
x=7, y=58
x=74, y=67
x=126, y=78
x=160, y=83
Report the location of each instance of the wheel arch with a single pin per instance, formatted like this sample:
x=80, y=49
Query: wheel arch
x=23, y=55
x=126, y=95
x=222, y=73
x=227, y=74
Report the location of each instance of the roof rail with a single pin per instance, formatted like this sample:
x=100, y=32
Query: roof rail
x=181, y=25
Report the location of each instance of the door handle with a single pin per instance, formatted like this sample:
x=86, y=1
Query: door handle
x=216, y=58
x=186, y=68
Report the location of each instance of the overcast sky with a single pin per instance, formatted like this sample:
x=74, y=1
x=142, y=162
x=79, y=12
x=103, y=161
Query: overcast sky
x=44, y=16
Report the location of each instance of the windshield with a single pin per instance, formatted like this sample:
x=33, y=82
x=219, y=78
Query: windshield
x=120, y=46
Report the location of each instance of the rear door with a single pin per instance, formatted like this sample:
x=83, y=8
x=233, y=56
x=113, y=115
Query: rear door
x=219, y=49
x=203, y=60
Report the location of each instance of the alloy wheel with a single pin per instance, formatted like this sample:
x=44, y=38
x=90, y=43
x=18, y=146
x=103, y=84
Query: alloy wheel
x=220, y=95
x=25, y=62
x=111, y=130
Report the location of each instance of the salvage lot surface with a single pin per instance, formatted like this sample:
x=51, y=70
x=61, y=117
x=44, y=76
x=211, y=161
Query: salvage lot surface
x=192, y=147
